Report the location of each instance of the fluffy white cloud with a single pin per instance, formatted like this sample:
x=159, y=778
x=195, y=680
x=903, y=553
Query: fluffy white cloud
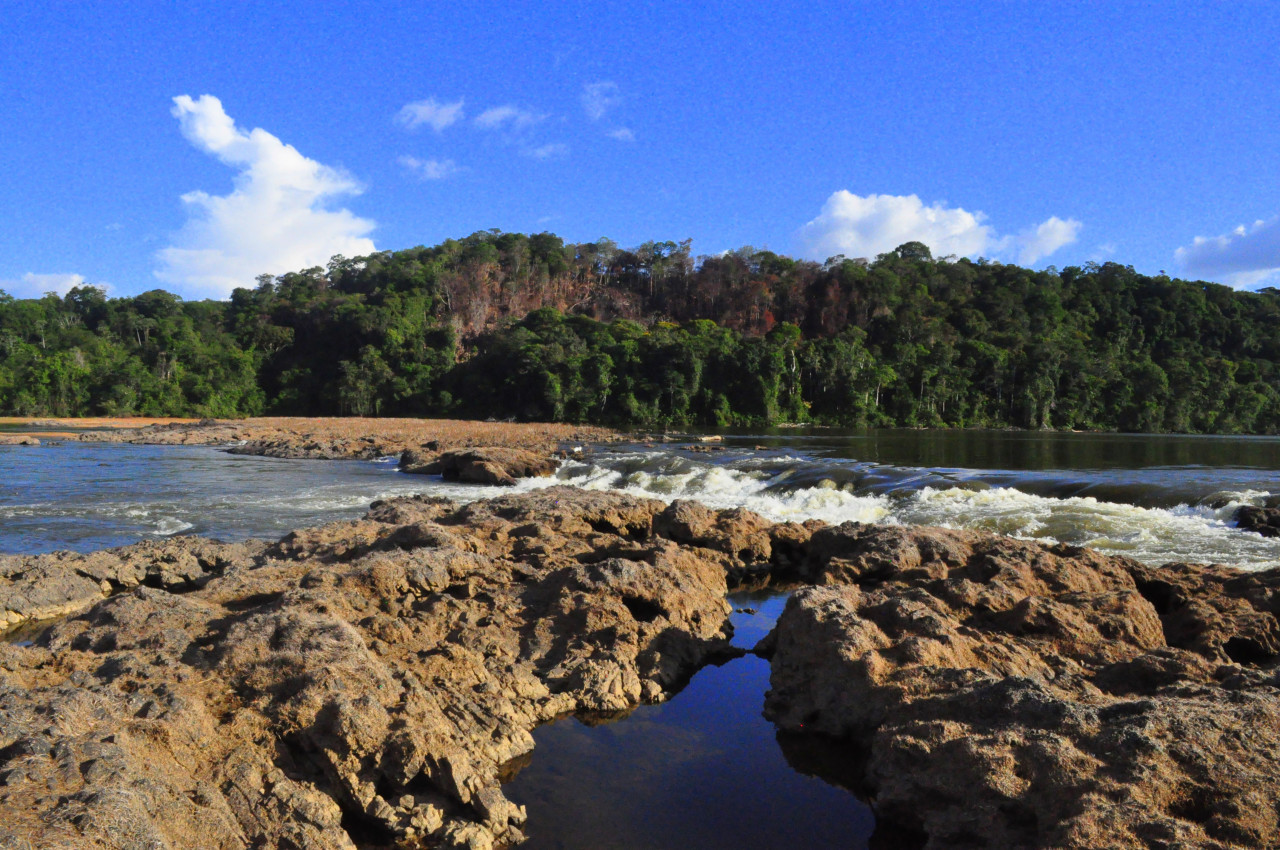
x=555, y=150
x=430, y=169
x=622, y=134
x=511, y=117
x=432, y=112
x=859, y=226
x=599, y=98
x=275, y=220
x=32, y=285
x=1045, y=238
x=1246, y=256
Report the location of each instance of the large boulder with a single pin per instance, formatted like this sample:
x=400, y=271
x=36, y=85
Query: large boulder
x=1265, y=521
x=489, y=465
x=1008, y=694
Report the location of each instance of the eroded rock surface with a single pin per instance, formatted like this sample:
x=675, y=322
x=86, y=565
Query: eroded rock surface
x=38, y=587
x=1008, y=694
x=365, y=681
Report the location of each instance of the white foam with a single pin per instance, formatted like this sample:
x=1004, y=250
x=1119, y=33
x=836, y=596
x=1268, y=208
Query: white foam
x=1153, y=535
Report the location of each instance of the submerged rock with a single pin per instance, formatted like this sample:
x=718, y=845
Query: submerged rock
x=1009, y=694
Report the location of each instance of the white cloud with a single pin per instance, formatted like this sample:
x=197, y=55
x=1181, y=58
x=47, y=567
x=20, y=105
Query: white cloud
x=432, y=112
x=430, y=169
x=859, y=226
x=1246, y=256
x=508, y=116
x=599, y=98
x=32, y=285
x=555, y=150
x=622, y=134
x=273, y=221
x=1045, y=238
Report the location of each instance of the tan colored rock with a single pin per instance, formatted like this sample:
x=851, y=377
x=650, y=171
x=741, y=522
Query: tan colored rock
x=1009, y=694
x=387, y=679
x=18, y=440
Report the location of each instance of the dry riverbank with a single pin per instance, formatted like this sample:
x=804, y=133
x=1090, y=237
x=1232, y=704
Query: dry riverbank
x=367, y=683
x=353, y=437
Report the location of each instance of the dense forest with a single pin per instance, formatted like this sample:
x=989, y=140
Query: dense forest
x=512, y=326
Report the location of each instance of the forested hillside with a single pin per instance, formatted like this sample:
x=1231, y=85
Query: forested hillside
x=507, y=325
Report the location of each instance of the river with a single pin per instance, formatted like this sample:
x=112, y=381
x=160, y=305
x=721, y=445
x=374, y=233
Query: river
x=1154, y=498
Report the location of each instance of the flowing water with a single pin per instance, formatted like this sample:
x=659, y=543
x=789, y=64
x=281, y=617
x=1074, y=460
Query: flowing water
x=704, y=770
x=1154, y=498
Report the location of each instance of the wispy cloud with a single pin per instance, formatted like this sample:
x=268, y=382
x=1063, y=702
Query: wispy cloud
x=622, y=134
x=508, y=117
x=599, y=98
x=32, y=285
x=430, y=169
x=430, y=112
x=1247, y=256
x=1043, y=239
x=859, y=226
x=275, y=219
x=555, y=150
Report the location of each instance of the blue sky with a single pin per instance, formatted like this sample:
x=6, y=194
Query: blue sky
x=196, y=145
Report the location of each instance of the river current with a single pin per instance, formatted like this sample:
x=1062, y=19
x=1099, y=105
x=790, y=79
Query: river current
x=1154, y=498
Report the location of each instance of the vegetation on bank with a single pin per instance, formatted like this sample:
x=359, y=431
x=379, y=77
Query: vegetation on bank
x=507, y=325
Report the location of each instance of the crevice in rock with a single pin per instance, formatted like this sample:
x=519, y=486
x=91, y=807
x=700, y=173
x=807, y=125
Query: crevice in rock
x=644, y=610
x=1243, y=650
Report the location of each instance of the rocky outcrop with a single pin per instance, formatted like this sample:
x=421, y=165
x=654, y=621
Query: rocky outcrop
x=364, y=681
x=1265, y=521
x=18, y=440
x=368, y=683
x=1008, y=694
x=39, y=587
x=485, y=465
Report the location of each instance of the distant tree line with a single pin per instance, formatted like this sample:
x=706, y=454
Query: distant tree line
x=507, y=325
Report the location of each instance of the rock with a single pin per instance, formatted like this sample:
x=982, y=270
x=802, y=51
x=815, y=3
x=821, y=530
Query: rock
x=383, y=672
x=40, y=587
x=18, y=440
x=1009, y=694
x=487, y=465
x=1264, y=521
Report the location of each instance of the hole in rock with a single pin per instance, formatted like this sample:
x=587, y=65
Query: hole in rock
x=644, y=610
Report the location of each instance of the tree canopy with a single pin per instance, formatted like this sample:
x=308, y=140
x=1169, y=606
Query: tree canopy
x=527, y=326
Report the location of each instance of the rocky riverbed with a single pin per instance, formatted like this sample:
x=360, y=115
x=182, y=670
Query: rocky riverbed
x=329, y=438
x=368, y=683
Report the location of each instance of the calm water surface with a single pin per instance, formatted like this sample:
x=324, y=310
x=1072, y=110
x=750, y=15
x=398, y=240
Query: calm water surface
x=703, y=771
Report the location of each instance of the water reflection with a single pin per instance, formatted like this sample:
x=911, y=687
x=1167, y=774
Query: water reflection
x=703, y=771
